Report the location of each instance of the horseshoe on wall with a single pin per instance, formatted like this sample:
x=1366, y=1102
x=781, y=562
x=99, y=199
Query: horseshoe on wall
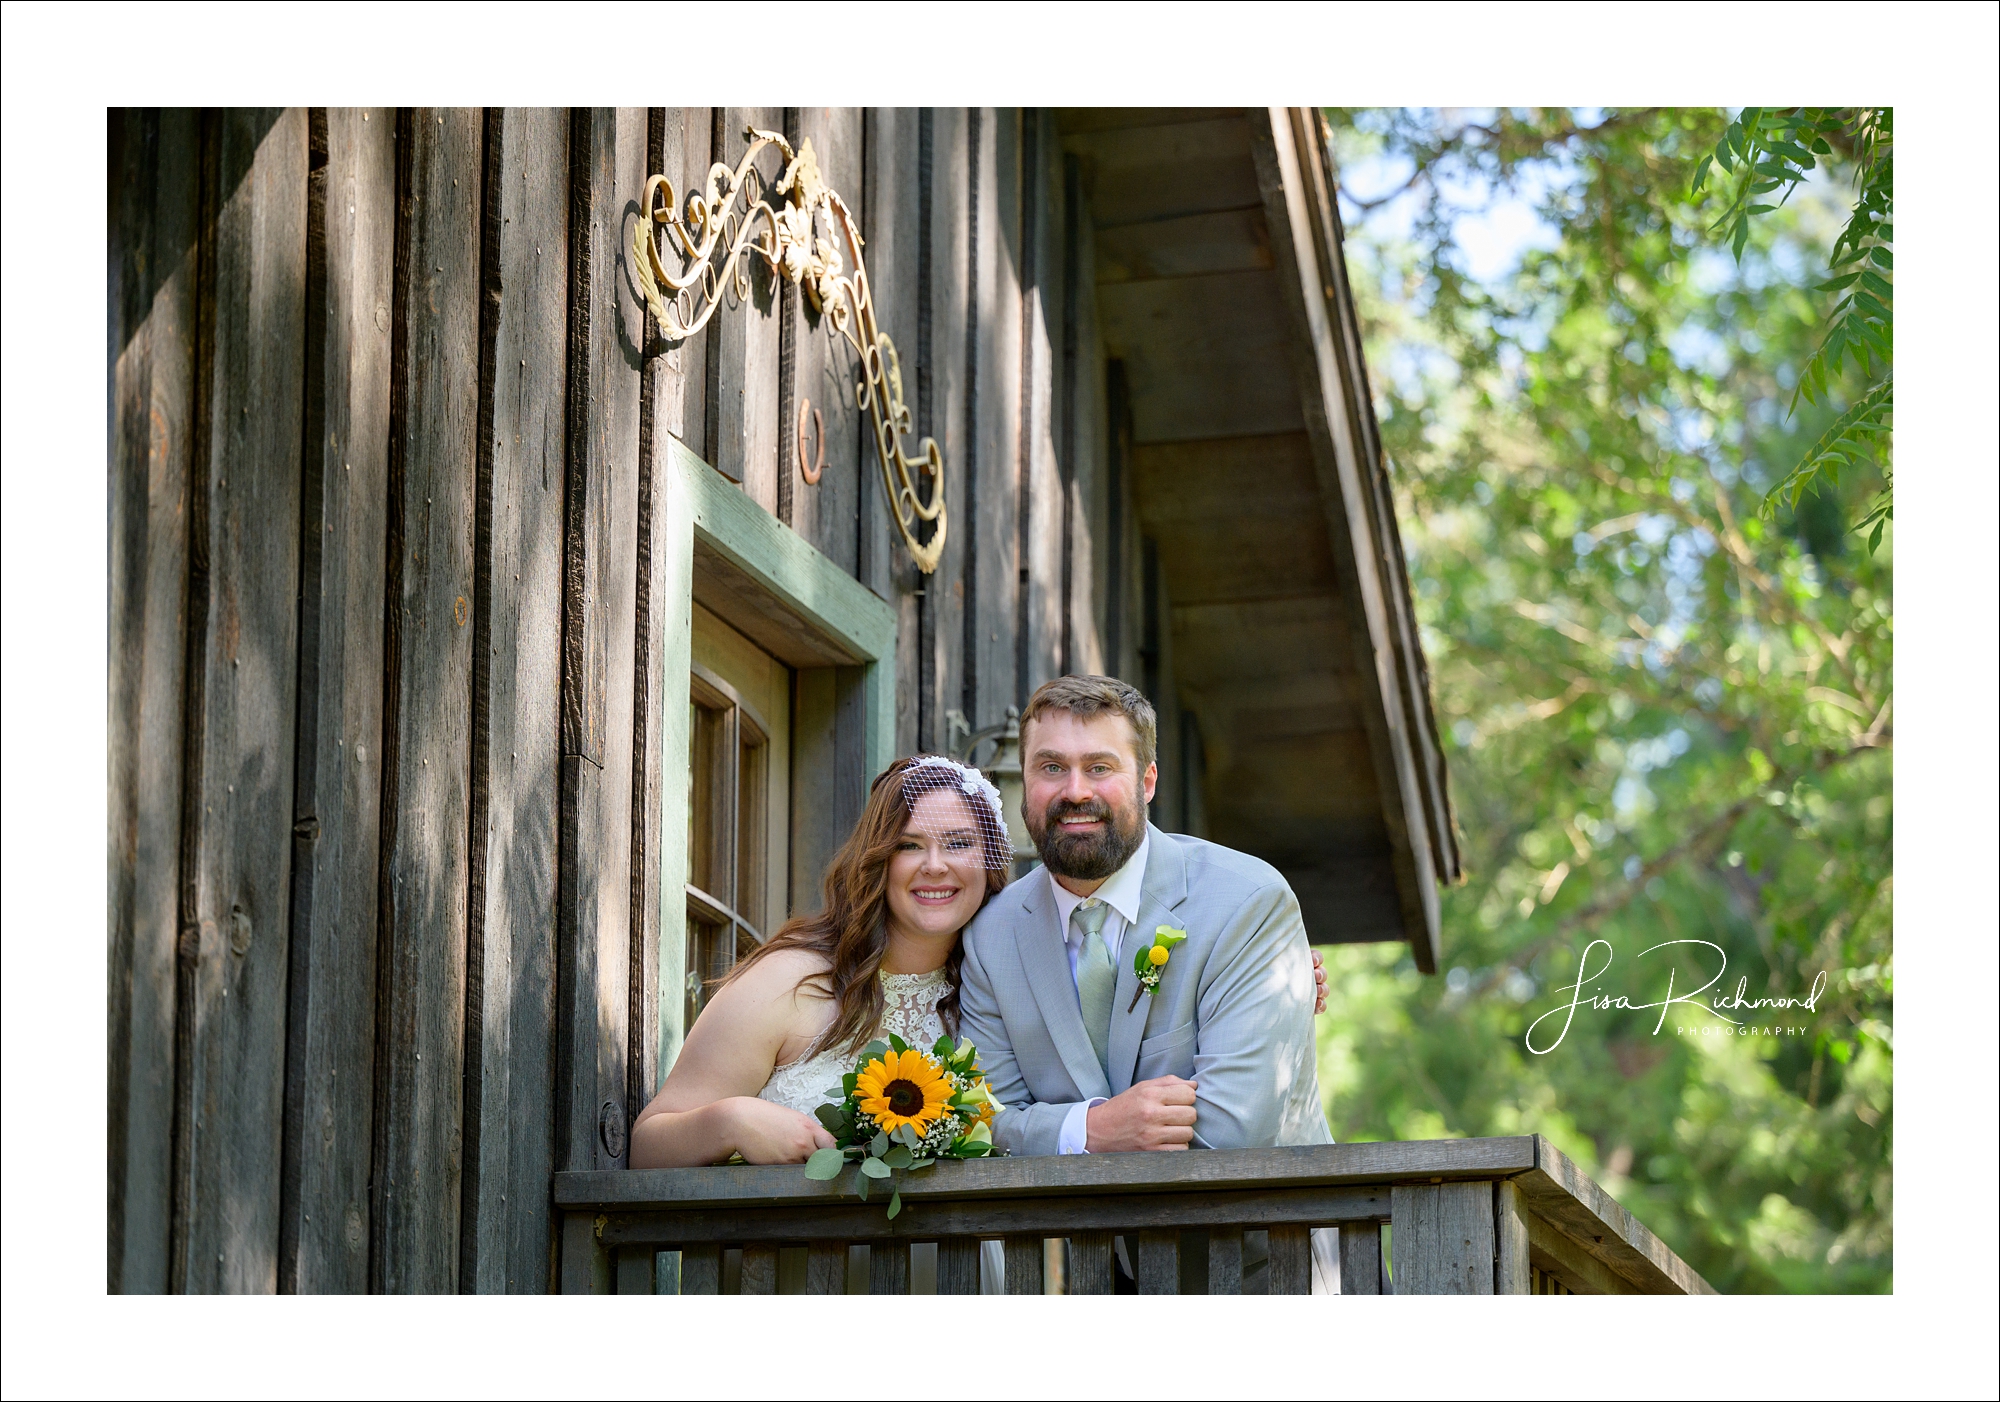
x=810, y=471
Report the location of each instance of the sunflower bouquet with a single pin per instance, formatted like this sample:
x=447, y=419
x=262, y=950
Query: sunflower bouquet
x=901, y=1108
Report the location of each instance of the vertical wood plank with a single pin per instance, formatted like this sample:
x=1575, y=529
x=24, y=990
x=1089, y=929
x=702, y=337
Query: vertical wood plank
x=231, y=1007
x=958, y=1266
x=508, y=1219
x=1360, y=1259
x=636, y=1271
x=889, y=1268
x=157, y=167
x=1442, y=1238
x=1225, y=1262
x=681, y=382
x=1082, y=416
x=1510, y=1241
x=607, y=158
x=826, y=1268
x=337, y=818
x=1090, y=1263
x=421, y=997
x=478, y=1077
x=792, y=1263
x=997, y=368
x=942, y=373
x=1157, y=1262
x=583, y=1268
x=825, y=367
x=1291, y=1260
x=744, y=343
x=760, y=1270
x=1121, y=543
x=1024, y=1265
x=890, y=224
x=1043, y=503
x=663, y=387
x=701, y=1270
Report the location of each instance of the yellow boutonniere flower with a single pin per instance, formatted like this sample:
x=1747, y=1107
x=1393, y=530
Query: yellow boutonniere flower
x=1149, y=961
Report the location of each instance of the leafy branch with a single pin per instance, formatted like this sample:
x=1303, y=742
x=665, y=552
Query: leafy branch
x=1860, y=433
x=1765, y=152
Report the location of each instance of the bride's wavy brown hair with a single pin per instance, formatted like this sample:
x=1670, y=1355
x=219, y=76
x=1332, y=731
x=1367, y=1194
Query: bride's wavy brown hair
x=851, y=929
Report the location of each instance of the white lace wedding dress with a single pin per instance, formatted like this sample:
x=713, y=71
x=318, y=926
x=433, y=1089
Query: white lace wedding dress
x=909, y=1009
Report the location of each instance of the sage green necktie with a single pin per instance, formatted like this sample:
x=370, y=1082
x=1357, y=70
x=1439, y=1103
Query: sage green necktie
x=1096, y=980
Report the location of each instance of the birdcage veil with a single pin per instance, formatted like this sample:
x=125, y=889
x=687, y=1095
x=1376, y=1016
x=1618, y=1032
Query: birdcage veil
x=925, y=774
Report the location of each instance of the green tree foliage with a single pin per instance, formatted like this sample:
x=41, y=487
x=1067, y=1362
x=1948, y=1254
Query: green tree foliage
x=1667, y=716
x=1769, y=154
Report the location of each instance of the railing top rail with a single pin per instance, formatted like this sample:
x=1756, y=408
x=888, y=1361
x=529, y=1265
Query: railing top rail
x=1549, y=1185
x=1568, y=1198
x=1302, y=1166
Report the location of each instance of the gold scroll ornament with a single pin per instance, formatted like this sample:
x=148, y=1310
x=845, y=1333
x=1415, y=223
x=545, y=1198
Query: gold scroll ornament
x=710, y=238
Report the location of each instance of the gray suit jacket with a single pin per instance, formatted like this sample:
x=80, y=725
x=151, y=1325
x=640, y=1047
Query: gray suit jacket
x=1233, y=1011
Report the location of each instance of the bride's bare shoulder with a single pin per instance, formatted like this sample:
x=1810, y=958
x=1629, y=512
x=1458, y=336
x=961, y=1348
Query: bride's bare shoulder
x=782, y=972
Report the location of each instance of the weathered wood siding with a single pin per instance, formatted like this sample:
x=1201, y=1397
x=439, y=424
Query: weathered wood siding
x=402, y=571
x=391, y=436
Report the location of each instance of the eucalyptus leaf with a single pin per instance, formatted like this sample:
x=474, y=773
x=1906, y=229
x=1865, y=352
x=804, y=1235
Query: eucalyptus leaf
x=874, y=1049
x=824, y=1164
x=898, y=1157
x=875, y=1168
x=895, y=1203
x=829, y=1116
x=879, y=1145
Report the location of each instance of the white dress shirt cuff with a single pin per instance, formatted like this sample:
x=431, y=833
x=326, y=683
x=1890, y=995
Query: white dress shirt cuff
x=1075, y=1131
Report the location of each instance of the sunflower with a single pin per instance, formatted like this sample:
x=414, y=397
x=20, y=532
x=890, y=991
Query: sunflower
x=903, y=1088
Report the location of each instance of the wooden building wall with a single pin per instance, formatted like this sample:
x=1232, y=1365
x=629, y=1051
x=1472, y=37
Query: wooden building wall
x=387, y=504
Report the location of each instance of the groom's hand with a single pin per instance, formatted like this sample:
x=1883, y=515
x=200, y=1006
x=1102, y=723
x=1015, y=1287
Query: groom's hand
x=1155, y=1114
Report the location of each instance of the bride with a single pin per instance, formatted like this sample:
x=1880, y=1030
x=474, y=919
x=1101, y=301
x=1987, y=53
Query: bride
x=788, y=1021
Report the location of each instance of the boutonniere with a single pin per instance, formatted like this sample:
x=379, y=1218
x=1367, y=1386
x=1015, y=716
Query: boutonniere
x=1149, y=961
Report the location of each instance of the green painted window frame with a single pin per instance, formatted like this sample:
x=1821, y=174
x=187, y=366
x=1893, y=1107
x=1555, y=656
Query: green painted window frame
x=706, y=513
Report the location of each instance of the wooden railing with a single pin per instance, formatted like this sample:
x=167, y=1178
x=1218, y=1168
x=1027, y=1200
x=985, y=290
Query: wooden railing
x=1465, y=1217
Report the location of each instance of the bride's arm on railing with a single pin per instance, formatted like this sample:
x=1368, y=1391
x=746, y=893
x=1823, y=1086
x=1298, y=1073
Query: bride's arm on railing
x=709, y=1109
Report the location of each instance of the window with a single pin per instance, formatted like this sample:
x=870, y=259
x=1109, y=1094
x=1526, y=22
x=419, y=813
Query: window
x=786, y=664
x=739, y=729
x=728, y=846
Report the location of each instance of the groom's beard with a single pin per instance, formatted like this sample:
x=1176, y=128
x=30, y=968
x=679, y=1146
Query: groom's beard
x=1088, y=856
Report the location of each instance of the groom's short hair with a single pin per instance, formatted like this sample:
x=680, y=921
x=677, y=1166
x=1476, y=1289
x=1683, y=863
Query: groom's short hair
x=1086, y=698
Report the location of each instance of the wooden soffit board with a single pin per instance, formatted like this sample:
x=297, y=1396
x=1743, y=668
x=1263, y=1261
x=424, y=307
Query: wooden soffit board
x=1250, y=470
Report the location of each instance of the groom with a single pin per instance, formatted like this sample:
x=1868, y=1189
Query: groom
x=1221, y=1056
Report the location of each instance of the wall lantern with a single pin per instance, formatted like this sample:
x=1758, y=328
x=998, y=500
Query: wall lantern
x=709, y=237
